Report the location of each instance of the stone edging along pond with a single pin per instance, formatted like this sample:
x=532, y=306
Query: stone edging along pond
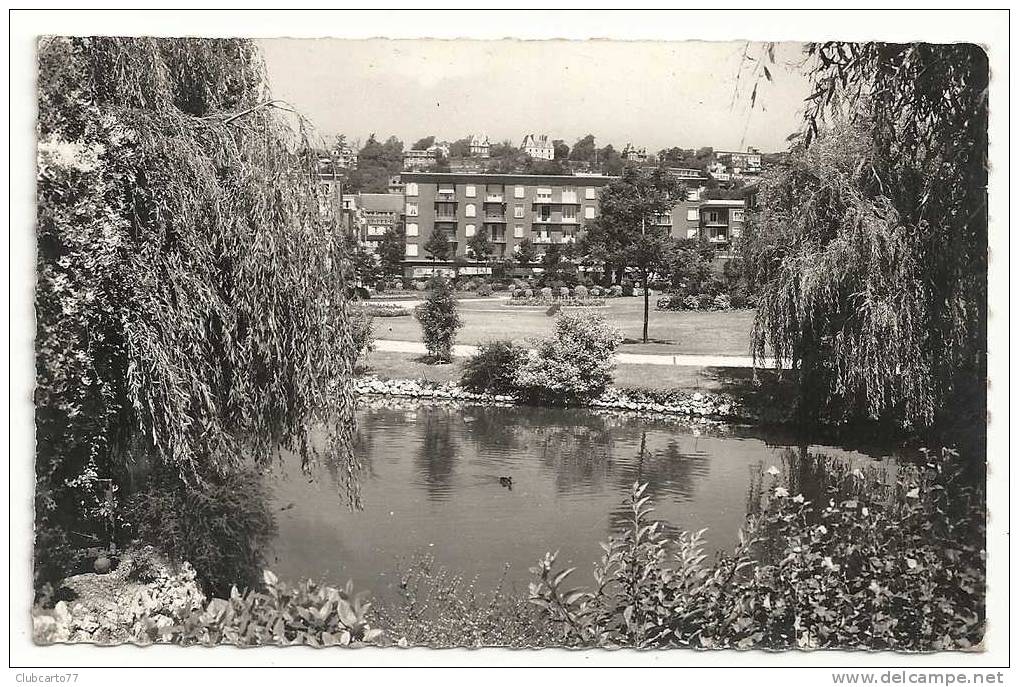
x=698, y=405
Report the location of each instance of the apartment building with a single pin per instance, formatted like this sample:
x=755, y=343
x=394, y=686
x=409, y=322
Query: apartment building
x=538, y=147
x=419, y=159
x=508, y=207
x=721, y=221
x=376, y=214
x=740, y=163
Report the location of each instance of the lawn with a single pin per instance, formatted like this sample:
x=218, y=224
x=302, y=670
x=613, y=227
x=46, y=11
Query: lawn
x=721, y=333
x=740, y=382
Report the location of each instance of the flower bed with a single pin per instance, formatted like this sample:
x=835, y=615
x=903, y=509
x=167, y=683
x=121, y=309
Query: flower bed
x=701, y=301
x=385, y=310
x=546, y=301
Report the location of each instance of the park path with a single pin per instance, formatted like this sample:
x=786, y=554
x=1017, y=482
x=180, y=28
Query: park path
x=683, y=360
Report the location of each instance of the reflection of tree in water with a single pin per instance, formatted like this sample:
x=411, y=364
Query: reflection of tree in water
x=437, y=454
x=579, y=456
x=669, y=474
x=494, y=428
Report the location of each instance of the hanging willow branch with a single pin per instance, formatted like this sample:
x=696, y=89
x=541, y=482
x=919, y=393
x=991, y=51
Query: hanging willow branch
x=227, y=319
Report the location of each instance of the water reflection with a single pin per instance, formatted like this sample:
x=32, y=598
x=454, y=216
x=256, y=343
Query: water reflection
x=437, y=452
x=439, y=482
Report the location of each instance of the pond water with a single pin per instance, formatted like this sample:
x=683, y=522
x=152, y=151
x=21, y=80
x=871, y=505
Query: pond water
x=432, y=486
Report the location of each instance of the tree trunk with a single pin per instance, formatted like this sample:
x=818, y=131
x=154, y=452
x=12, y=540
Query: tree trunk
x=643, y=279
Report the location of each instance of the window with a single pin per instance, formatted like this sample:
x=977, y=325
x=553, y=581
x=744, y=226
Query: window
x=412, y=250
x=544, y=195
x=737, y=215
x=712, y=216
x=470, y=229
x=470, y=191
x=412, y=209
x=412, y=189
x=518, y=191
x=569, y=213
x=588, y=212
x=589, y=193
x=518, y=211
x=691, y=215
x=412, y=228
x=692, y=194
x=518, y=231
x=470, y=210
x=569, y=194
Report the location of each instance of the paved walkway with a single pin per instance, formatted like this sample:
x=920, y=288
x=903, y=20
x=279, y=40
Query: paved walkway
x=683, y=360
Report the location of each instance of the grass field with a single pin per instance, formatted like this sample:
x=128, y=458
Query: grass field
x=740, y=382
x=720, y=333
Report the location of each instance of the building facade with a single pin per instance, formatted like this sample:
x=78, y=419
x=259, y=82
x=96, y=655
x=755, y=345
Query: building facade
x=377, y=213
x=414, y=160
x=508, y=207
x=479, y=145
x=546, y=209
x=538, y=147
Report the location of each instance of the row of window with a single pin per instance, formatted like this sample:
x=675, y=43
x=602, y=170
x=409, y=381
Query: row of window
x=447, y=210
x=569, y=194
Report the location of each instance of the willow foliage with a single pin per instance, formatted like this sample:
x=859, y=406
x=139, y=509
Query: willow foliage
x=870, y=248
x=190, y=300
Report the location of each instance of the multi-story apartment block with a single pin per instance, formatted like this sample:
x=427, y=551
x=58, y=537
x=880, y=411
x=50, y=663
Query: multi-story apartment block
x=538, y=147
x=508, y=207
x=418, y=159
x=377, y=213
x=721, y=221
x=479, y=145
x=740, y=163
x=544, y=208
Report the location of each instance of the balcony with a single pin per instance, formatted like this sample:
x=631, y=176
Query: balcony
x=493, y=198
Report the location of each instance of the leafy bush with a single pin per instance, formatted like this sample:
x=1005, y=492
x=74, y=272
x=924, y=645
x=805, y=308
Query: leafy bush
x=865, y=563
x=615, y=291
x=692, y=303
x=573, y=365
x=546, y=292
x=361, y=332
x=528, y=293
x=439, y=321
x=499, y=287
x=597, y=291
x=721, y=302
x=705, y=301
x=174, y=610
x=221, y=525
x=484, y=290
x=627, y=288
x=493, y=368
x=580, y=291
x=439, y=608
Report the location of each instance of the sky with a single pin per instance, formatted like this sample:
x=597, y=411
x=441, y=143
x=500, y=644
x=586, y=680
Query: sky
x=653, y=94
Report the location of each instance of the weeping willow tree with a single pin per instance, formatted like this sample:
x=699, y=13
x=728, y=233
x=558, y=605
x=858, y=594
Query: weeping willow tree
x=870, y=246
x=190, y=300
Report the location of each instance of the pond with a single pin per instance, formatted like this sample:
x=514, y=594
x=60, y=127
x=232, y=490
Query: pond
x=432, y=486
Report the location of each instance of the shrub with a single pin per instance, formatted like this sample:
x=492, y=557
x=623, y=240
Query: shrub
x=361, y=332
x=439, y=608
x=691, y=303
x=568, y=301
x=573, y=365
x=615, y=291
x=627, y=288
x=221, y=525
x=439, y=321
x=484, y=290
x=173, y=610
x=580, y=291
x=499, y=287
x=721, y=302
x=528, y=293
x=518, y=293
x=705, y=301
x=546, y=292
x=420, y=285
x=597, y=291
x=493, y=368
x=862, y=562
